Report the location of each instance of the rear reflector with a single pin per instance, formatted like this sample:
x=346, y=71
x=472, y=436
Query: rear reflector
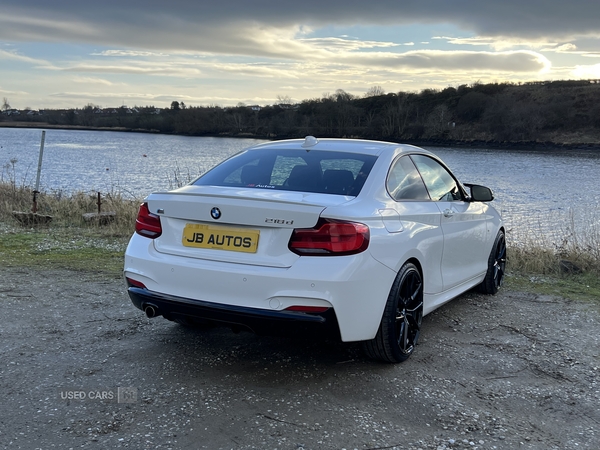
x=330, y=238
x=147, y=224
x=135, y=283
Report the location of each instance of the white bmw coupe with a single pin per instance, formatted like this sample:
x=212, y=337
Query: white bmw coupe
x=356, y=239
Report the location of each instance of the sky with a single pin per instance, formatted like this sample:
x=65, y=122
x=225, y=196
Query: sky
x=68, y=54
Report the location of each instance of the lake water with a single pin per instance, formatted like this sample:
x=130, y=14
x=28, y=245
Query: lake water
x=534, y=189
x=134, y=164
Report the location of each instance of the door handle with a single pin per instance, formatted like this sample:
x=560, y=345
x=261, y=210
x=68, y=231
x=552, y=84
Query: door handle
x=448, y=213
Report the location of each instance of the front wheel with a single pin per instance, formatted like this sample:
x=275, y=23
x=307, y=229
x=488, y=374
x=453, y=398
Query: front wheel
x=400, y=325
x=496, y=266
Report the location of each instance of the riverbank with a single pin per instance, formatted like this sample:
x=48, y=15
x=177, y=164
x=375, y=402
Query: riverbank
x=71, y=242
x=47, y=126
x=563, y=142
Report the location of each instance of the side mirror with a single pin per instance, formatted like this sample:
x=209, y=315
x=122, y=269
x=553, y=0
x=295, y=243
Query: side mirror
x=480, y=193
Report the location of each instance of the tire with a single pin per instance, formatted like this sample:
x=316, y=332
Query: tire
x=496, y=266
x=400, y=326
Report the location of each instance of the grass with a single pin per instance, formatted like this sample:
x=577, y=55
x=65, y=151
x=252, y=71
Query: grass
x=70, y=242
x=582, y=287
x=76, y=249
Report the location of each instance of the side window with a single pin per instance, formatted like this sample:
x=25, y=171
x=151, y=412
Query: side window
x=404, y=181
x=441, y=185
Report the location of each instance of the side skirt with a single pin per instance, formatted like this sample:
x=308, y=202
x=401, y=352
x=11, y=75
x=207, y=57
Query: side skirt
x=431, y=302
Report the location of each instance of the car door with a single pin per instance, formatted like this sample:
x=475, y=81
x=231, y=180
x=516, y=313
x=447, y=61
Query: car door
x=463, y=224
x=420, y=217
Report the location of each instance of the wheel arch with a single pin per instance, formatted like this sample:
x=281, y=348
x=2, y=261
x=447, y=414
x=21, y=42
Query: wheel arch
x=399, y=329
x=414, y=260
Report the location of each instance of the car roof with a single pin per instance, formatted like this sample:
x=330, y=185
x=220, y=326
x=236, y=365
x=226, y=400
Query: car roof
x=365, y=147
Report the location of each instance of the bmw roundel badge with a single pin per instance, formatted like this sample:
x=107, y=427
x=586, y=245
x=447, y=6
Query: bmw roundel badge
x=215, y=213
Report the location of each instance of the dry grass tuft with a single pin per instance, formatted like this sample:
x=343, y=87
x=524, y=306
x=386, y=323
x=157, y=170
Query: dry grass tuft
x=572, y=249
x=67, y=210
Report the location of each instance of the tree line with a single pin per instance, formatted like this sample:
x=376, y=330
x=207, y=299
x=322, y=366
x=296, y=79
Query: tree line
x=495, y=112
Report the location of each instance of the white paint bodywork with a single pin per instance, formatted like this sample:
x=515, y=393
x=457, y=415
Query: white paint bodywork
x=449, y=241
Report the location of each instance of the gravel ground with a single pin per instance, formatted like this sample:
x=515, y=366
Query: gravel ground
x=512, y=371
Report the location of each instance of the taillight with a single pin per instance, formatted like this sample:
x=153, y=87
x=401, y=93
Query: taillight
x=330, y=238
x=147, y=224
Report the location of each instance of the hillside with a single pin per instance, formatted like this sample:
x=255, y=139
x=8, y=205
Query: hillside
x=558, y=113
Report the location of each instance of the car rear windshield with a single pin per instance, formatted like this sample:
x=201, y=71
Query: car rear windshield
x=316, y=171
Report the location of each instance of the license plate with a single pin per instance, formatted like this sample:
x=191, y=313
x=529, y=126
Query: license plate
x=220, y=238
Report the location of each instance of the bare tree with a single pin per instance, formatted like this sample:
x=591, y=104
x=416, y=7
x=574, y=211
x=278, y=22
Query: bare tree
x=284, y=100
x=238, y=121
x=437, y=121
x=342, y=96
x=389, y=118
x=374, y=91
x=404, y=110
x=5, y=104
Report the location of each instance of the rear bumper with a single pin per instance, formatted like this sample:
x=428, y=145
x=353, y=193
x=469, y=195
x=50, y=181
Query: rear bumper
x=356, y=287
x=259, y=321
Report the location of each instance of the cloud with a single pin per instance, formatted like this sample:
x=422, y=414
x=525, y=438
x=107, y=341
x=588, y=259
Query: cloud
x=309, y=57
x=141, y=33
x=587, y=71
x=139, y=69
x=13, y=56
x=515, y=61
x=92, y=81
x=127, y=53
x=333, y=44
x=10, y=92
x=565, y=48
x=501, y=44
x=511, y=61
x=244, y=27
x=279, y=71
x=240, y=50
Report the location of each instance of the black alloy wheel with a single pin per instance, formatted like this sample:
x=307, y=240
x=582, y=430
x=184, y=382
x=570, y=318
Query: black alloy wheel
x=401, y=322
x=496, y=266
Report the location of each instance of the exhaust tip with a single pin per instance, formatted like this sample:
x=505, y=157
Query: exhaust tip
x=151, y=311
